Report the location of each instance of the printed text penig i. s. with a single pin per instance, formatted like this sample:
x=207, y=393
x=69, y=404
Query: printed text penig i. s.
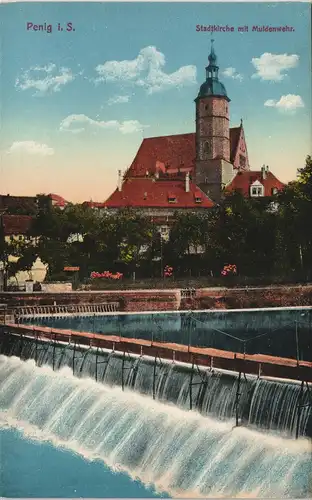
x=48, y=28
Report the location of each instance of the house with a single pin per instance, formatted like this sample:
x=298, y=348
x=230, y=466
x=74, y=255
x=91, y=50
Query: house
x=255, y=183
x=23, y=205
x=15, y=229
x=57, y=201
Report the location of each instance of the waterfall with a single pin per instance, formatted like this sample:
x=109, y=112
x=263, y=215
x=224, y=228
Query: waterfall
x=182, y=453
x=256, y=403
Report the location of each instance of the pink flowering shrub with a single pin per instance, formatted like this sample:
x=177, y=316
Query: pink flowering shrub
x=229, y=270
x=168, y=271
x=106, y=274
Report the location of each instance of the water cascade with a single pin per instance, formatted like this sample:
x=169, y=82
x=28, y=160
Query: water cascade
x=250, y=401
x=180, y=452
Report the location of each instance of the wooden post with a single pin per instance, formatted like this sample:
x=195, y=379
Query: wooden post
x=299, y=407
x=53, y=353
x=74, y=354
x=237, y=398
x=191, y=385
x=122, y=370
x=154, y=377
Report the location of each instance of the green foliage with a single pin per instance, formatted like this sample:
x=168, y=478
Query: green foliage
x=18, y=256
x=261, y=239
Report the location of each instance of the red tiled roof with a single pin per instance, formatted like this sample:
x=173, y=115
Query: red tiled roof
x=60, y=201
x=243, y=180
x=171, y=153
x=144, y=192
x=93, y=204
x=16, y=224
x=160, y=166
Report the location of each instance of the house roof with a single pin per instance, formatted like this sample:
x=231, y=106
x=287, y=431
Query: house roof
x=144, y=192
x=93, y=204
x=243, y=180
x=171, y=153
x=25, y=203
x=59, y=200
x=16, y=224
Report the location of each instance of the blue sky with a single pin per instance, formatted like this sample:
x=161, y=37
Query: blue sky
x=77, y=104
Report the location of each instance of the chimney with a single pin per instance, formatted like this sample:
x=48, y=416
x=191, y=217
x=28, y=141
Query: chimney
x=119, y=185
x=187, y=182
x=263, y=172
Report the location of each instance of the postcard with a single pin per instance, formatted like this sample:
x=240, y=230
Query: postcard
x=155, y=250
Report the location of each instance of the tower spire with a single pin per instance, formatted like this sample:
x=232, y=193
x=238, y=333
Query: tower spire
x=212, y=68
x=212, y=52
x=212, y=86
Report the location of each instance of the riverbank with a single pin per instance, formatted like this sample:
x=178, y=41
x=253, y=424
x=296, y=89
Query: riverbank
x=169, y=299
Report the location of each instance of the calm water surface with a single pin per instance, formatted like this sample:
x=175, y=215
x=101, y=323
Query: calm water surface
x=35, y=469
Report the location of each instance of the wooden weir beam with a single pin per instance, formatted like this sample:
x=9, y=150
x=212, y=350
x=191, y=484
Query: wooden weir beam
x=253, y=364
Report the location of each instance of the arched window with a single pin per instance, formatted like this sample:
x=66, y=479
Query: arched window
x=207, y=148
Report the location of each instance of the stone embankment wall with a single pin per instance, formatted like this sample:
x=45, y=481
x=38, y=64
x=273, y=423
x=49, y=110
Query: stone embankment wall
x=171, y=300
x=131, y=301
x=238, y=298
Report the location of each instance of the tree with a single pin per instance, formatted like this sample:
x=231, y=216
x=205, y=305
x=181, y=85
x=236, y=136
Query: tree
x=295, y=212
x=135, y=234
x=242, y=231
x=19, y=256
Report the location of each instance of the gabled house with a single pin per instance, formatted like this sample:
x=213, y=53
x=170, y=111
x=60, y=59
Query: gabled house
x=255, y=183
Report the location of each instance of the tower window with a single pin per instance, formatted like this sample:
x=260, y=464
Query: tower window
x=207, y=148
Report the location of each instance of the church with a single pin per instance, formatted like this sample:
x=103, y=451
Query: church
x=191, y=172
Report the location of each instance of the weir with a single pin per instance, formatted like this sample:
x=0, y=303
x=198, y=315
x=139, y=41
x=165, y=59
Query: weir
x=272, y=331
x=253, y=390
x=182, y=453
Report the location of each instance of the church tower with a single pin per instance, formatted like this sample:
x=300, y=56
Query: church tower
x=213, y=167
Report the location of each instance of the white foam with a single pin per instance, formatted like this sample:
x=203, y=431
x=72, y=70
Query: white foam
x=180, y=452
